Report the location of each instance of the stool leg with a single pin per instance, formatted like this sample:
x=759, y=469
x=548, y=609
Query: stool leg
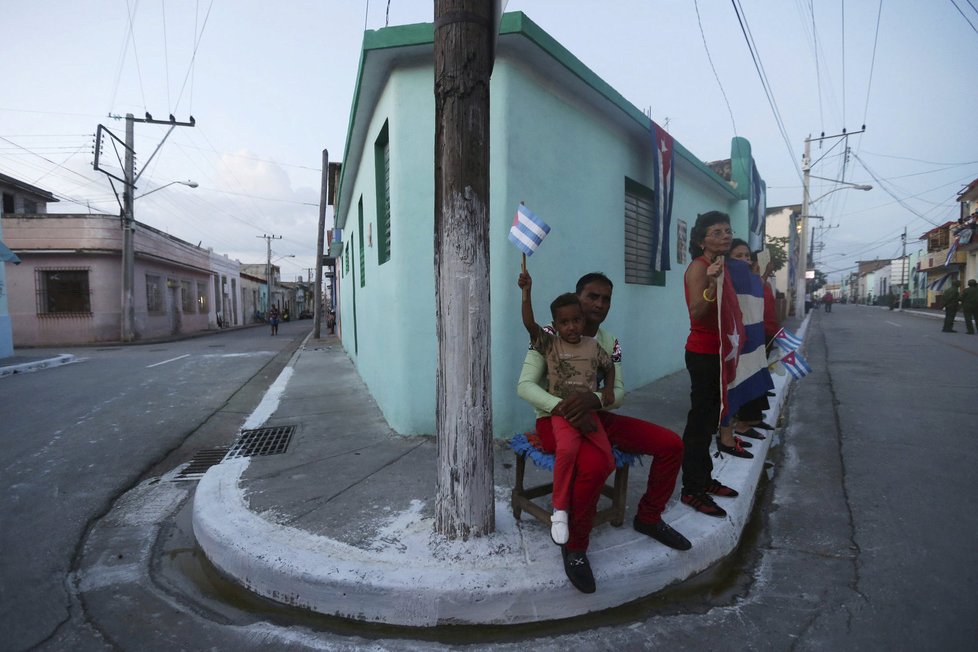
x=518, y=489
x=618, y=501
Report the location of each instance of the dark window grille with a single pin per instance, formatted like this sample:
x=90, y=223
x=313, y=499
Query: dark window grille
x=639, y=224
x=186, y=298
x=363, y=253
x=382, y=169
x=202, y=296
x=63, y=292
x=154, y=295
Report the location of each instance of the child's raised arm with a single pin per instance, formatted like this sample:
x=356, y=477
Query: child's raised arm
x=525, y=283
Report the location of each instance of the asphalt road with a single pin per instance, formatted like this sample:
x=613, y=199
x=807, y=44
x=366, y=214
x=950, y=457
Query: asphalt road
x=863, y=536
x=77, y=436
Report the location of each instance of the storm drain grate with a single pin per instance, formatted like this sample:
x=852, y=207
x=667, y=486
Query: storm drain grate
x=261, y=441
x=203, y=459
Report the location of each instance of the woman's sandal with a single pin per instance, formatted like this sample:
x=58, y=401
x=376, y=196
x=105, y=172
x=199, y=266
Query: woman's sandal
x=736, y=450
x=750, y=432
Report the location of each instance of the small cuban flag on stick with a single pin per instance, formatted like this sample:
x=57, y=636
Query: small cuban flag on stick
x=786, y=340
x=796, y=365
x=528, y=230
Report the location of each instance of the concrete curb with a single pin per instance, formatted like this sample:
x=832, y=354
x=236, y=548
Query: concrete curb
x=408, y=575
x=36, y=365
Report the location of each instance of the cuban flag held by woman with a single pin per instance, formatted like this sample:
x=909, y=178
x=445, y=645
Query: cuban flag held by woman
x=744, y=373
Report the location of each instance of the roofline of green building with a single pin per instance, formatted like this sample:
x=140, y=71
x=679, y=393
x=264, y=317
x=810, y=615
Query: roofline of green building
x=512, y=23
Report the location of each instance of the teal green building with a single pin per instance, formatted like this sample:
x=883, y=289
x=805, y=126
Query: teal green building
x=562, y=141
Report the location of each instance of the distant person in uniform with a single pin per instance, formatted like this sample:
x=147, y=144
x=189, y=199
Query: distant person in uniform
x=969, y=304
x=950, y=299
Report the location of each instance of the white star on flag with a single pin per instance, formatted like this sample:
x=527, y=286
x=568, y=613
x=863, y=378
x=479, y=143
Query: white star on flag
x=734, y=346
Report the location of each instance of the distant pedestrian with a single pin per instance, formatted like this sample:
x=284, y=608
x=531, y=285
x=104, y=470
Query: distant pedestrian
x=828, y=300
x=969, y=304
x=950, y=299
x=273, y=318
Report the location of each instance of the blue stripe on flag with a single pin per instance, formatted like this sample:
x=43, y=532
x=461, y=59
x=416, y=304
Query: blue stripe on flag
x=528, y=230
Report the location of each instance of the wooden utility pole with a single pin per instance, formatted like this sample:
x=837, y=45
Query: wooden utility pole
x=464, y=505
x=127, y=321
x=320, y=237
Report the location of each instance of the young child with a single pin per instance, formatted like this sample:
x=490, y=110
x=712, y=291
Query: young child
x=573, y=365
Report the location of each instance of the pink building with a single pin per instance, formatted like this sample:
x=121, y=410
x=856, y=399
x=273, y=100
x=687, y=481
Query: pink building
x=67, y=290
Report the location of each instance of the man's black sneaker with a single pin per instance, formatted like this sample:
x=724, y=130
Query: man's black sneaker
x=578, y=570
x=662, y=533
x=703, y=504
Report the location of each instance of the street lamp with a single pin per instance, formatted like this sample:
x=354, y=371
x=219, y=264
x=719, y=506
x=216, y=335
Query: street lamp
x=190, y=184
x=845, y=186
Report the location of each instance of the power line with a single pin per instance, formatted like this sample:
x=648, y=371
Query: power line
x=964, y=16
x=166, y=57
x=844, y=63
x=745, y=30
x=710, y=59
x=44, y=158
x=884, y=186
x=193, y=57
x=917, y=160
x=130, y=9
x=872, y=61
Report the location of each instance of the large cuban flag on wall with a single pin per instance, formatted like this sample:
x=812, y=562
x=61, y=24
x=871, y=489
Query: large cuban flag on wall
x=744, y=373
x=757, y=209
x=662, y=185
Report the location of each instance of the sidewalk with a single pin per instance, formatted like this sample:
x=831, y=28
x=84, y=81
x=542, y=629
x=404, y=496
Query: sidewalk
x=342, y=523
x=19, y=364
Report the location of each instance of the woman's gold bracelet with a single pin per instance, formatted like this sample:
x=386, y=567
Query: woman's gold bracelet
x=708, y=298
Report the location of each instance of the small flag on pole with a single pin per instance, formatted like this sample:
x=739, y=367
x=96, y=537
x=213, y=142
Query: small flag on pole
x=528, y=230
x=796, y=365
x=787, y=340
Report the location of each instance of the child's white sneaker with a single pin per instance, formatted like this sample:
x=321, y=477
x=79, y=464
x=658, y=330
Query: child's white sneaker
x=558, y=527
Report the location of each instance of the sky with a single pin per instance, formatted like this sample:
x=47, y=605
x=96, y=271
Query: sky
x=270, y=86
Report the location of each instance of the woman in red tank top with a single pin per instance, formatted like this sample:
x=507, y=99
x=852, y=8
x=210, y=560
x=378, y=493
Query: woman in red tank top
x=709, y=241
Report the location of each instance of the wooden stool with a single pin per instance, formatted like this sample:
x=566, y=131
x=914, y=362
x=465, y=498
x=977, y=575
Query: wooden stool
x=527, y=445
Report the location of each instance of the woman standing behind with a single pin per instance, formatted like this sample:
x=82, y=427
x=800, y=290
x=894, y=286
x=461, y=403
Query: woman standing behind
x=709, y=240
